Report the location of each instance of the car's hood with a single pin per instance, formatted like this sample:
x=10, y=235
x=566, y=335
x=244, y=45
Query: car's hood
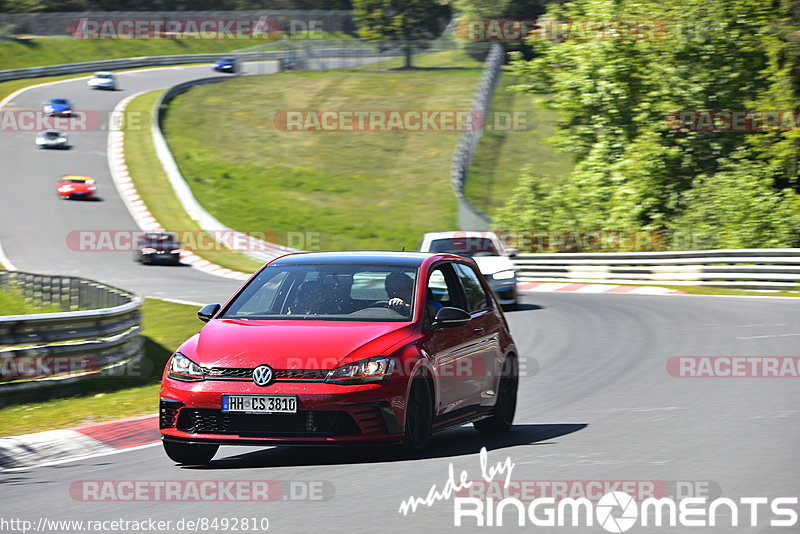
x=101, y=81
x=493, y=264
x=292, y=344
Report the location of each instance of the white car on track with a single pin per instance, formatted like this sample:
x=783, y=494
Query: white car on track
x=103, y=80
x=493, y=259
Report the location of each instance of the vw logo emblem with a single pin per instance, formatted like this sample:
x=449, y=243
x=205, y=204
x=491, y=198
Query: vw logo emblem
x=262, y=375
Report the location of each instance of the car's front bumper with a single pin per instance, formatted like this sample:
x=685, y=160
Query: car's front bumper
x=505, y=290
x=162, y=257
x=326, y=413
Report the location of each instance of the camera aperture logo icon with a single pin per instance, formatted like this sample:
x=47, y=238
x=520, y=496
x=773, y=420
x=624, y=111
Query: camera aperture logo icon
x=608, y=503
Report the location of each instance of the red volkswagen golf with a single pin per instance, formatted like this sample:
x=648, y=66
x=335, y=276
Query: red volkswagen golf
x=342, y=348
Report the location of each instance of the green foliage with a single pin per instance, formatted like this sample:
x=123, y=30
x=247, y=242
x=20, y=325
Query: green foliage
x=637, y=170
x=401, y=21
x=503, y=10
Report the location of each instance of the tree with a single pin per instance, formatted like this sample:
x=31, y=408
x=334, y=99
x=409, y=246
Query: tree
x=634, y=168
x=401, y=21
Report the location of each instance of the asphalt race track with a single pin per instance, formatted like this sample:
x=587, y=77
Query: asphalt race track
x=34, y=222
x=595, y=403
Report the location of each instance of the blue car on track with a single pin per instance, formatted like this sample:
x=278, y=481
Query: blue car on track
x=59, y=107
x=227, y=64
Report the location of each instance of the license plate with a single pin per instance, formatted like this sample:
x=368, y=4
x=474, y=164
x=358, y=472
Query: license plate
x=259, y=403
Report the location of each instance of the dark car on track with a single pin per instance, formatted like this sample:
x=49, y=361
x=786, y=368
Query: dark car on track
x=227, y=64
x=342, y=348
x=158, y=247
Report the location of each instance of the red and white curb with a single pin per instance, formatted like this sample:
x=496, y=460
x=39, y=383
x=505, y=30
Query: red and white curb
x=566, y=287
x=88, y=441
x=136, y=206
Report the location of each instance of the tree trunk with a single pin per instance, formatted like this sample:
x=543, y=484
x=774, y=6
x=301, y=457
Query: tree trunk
x=409, y=55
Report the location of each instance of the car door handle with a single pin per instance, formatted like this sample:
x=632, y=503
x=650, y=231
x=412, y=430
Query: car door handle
x=478, y=330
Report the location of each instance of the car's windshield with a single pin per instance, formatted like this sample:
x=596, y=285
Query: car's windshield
x=465, y=246
x=228, y=59
x=59, y=101
x=52, y=135
x=106, y=76
x=77, y=181
x=328, y=292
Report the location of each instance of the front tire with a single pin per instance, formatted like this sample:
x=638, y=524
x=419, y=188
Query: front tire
x=190, y=453
x=419, y=416
x=502, y=415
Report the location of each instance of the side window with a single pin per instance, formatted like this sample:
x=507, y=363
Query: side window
x=477, y=299
x=442, y=291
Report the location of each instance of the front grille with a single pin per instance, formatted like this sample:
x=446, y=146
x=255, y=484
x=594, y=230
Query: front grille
x=301, y=424
x=279, y=374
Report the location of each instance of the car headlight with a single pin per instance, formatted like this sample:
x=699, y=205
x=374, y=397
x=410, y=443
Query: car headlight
x=148, y=250
x=504, y=275
x=62, y=139
x=182, y=368
x=363, y=371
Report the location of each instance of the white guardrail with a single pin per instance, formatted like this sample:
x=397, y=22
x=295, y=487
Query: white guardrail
x=98, y=331
x=159, y=61
x=766, y=269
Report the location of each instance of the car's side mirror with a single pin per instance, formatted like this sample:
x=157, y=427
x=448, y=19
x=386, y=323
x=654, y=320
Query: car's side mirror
x=451, y=317
x=207, y=312
x=512, y=252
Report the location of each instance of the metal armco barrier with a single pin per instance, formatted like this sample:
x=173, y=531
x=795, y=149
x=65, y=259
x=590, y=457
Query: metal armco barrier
x=769, y=269
x=97, y=330
x=470, y=217
x=319, y=47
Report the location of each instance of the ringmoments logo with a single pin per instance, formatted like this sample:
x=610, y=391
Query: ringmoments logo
x=615, y=511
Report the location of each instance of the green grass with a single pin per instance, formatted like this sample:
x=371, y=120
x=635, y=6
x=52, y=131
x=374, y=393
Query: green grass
x=165, y=326
x=504, y=154
x=154, y=188
x=705, y=290
x=358, y=190
x=12, y=303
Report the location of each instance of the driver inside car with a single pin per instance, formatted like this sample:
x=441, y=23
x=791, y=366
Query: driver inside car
x=398, y=288
x=308, y=299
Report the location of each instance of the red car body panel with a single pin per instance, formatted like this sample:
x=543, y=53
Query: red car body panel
x=463, y=363
x=76, y=186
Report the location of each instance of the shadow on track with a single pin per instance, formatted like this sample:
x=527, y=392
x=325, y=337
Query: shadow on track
x=457, y=442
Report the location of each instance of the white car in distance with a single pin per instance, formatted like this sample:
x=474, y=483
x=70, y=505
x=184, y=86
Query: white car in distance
x=493, y=259
x=103, y=80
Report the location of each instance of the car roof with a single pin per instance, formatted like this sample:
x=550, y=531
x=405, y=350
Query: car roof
x=103, y=72
x=59, y=98
x=459, y=233
x=360, y=257
x=49, y=132
x=74, y=177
